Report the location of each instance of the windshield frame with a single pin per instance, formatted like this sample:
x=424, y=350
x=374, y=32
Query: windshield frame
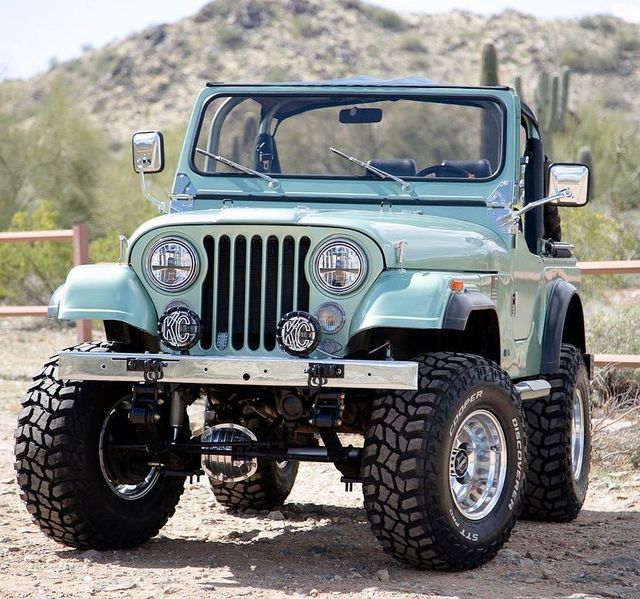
x=416, y=94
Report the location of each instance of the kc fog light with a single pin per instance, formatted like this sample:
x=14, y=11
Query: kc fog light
x=179, y=328
x=298, y=333
x=331, y=317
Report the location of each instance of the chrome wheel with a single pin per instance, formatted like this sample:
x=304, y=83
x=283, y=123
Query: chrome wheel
x=478, y=464
x=125, y=471
x=577, y=434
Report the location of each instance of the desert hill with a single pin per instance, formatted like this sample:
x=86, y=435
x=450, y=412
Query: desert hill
x=150, y=78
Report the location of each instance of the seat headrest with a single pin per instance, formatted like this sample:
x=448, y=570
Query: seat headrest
x=400, y=167
x=478, y=168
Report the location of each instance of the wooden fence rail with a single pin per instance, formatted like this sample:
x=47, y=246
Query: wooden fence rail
x=79, y=237
x=613, y=267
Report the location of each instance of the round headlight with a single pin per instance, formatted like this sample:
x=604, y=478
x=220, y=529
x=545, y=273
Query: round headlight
x=339, y=266
x=172, y=264
x=331, y=317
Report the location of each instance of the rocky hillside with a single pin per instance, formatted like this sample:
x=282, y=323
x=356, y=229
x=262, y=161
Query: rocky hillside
x=150, y=78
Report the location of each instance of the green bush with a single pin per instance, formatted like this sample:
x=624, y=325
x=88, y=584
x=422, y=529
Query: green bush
x=597, y=237
x=30, y=272
x=412, y=42
x=615, y=145
x=587, y=58
x=387, y=19
x=230, y=37
x=628, y=41
x=307, y=27
x=614, y=330
x=600, y=23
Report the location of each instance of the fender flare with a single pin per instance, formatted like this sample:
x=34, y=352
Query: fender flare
x=104, y=292
x=461, y=305
x=563, y=299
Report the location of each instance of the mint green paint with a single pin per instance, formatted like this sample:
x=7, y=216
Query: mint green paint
x=349, y=191
x=445, y=241
x=192, y=227
x=404, y=299
x=434, y=242
x=106, y=292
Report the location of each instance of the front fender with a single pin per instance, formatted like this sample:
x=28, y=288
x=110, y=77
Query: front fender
x=403, y=299
x=104, y=292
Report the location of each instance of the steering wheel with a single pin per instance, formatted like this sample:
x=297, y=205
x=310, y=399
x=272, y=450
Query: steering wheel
x=444, y=170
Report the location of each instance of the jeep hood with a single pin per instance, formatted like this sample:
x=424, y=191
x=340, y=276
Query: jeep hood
x=432, y=242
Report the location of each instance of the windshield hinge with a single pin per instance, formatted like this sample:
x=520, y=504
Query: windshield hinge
x=182, y=194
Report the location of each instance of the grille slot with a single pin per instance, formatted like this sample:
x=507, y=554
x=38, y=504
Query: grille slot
x=250, y=283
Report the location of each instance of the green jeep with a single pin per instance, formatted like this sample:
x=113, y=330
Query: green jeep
x=377, y=259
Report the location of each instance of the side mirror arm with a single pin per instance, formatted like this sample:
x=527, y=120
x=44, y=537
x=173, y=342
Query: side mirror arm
x=510, y=219
x=159, y=204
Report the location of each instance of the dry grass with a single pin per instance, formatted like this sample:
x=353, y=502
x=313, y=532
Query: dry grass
x=615, y=423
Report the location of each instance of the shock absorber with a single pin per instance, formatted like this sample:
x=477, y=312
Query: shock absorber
x=180, y=398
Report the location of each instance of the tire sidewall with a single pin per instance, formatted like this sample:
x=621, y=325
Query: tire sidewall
x=498, y=401
x=581, y=383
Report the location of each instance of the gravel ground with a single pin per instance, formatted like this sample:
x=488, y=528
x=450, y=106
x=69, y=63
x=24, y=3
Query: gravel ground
x=321, y=548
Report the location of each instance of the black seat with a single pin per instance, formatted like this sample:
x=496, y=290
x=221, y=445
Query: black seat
x=480, y=169
x=400, y=167
x=266, y=154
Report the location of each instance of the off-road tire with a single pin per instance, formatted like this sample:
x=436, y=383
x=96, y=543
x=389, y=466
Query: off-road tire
x=552, y=492
x=267, y=488
x=406, y=466
x=58, y=467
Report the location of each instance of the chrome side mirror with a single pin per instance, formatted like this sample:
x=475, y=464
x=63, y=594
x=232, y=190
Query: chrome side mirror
x=575, y=178
x=148, y=151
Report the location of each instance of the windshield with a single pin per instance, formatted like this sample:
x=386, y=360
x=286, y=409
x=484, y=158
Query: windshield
x=404, y=136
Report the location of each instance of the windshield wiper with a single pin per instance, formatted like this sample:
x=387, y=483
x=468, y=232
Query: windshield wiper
x=374, y=169
x=273, y=183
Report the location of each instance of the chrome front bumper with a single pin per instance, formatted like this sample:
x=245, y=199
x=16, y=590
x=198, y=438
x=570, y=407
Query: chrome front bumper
x=206, y=370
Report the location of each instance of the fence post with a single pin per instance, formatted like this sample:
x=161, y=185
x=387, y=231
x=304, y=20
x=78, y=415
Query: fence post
x=81, y=256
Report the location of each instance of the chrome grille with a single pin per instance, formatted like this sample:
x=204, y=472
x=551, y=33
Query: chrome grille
x=251, y=282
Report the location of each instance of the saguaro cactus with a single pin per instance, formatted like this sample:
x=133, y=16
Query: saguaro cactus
x=241, y=144
x=585, y=156
x=552, y=101
x=489, y=68
x=489, y=76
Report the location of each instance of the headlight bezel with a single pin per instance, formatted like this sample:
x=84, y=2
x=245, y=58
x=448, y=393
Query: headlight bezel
x=187, y=245
x=364, y=266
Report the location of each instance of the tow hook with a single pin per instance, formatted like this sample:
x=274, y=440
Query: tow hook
x=152, y=368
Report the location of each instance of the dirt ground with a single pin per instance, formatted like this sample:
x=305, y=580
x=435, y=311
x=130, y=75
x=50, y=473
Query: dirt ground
x=322, y=548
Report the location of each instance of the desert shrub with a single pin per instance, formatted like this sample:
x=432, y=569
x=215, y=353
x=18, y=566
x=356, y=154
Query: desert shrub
x=615, y=145
x=104, y=249
x=387, y=19
x=412, y=42
x=29, y=272
x=601, y=23
x=230, y=37
x=306, y=27
x=597, y=237
x=212, y=10
x=628, y=40
x=614, y=330
x=584, y=57
x=49, y=151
